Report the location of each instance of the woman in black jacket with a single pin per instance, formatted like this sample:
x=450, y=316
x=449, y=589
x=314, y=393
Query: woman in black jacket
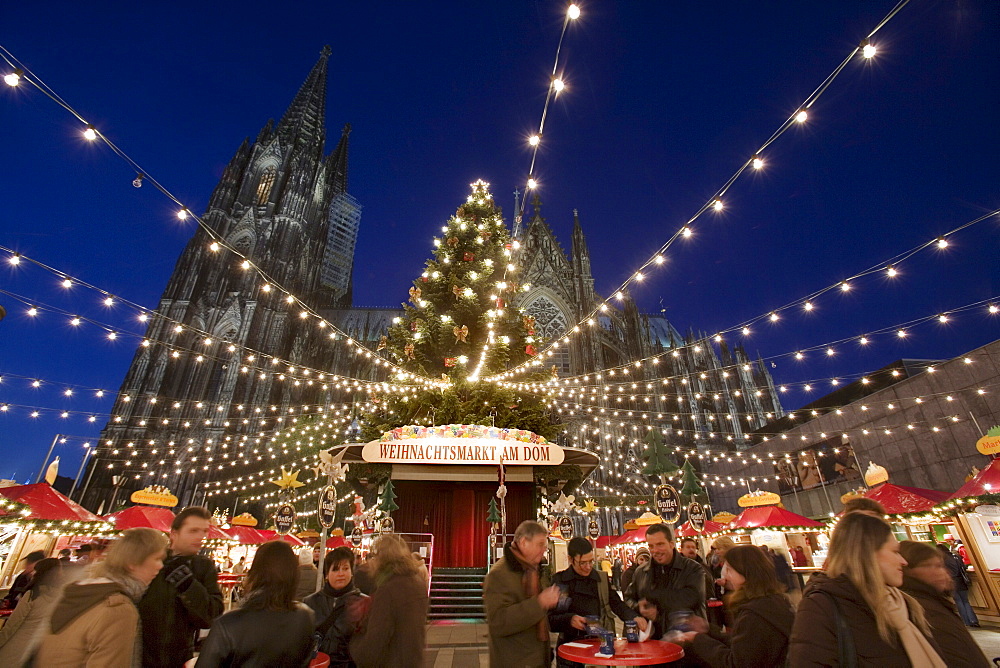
x=271, y=629
x=762, y=616
x=337, y=606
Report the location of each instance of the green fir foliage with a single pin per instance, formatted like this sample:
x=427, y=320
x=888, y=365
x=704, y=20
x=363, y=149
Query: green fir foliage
x=493, y=517
x=658, y=459
x=690, y=489
x=387, y=501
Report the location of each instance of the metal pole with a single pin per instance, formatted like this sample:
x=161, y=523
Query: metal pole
x=822, y=480
x=83, y=462
x=41, y=471
x=90, y=475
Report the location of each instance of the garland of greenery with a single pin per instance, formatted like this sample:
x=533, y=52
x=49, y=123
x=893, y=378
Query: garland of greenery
x=571, y=473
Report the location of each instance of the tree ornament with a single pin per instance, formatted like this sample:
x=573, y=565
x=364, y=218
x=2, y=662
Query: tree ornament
x=415, y=293
x=424, y=279
x=450, y=361
x=658, y=461
x=457, y=291
x=387, y=500
x=529, y=323
x=555, y=371
x=486, y=234
x=452, y=241
x=382, y=343
x=690, y=487
x=461, y=333
x=408, y=349
x=493, y=513
x=468, y=257
x=530, y=349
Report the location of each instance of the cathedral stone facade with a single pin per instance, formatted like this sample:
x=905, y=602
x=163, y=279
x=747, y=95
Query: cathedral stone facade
x=182, y=419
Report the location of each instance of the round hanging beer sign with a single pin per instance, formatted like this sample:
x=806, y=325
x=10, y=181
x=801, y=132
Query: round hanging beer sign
x=696, y=516
x=565, y=527
x=387, y=525
x=327, y=506
x=284, y=518
x=356, y=536
x=668, y=503
x=593, y=530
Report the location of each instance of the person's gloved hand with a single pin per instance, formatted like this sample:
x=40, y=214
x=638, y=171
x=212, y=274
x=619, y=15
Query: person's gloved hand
x=178, y=573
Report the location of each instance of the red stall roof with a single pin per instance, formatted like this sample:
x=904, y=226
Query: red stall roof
x=336, y=541
x=986, y=482
x=771, y=516
x=294, y=541
x=150, y=517
x=899, y=500
x=685, y=529
x=247, y=535
x=46, y=503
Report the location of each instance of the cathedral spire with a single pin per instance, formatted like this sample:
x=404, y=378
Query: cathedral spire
x=303, y=122
x=336, y=164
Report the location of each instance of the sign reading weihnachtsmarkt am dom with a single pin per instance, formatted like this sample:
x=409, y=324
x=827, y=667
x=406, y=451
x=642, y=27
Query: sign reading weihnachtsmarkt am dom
x=462, y=444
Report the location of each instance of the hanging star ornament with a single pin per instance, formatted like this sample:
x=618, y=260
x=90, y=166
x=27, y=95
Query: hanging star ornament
x=589, y=506
x=564, y=504
x=289, y=480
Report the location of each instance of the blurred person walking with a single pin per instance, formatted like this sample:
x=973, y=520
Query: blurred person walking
x=271, y=629
x=184, y=597
x=335, y=607
x=307, y=574
x=24, y=628
x=856, y=615
x=926, y=578
x=588, y=593
x=962, y=582
x=394, y=630
x=762, y=616
x=22, y=583
x=516, y=602
x=96, y=622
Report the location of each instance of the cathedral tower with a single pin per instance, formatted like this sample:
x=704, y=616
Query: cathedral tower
x=284, y=204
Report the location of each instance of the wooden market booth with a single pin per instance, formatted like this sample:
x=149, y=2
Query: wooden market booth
x=782, y=531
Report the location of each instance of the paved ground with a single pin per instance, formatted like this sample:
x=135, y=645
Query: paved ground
x=463, y=644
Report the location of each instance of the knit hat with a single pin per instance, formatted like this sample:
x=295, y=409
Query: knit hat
x=642, y=552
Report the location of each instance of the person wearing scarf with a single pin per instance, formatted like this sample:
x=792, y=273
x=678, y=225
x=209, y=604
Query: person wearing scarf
x=517, y=604
x=336, y=607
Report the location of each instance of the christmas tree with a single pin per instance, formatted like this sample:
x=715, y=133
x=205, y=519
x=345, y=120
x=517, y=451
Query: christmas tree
x=690, y=489
x=493, y=517
x=387, y=501
x=658, y=460
x=462, y=323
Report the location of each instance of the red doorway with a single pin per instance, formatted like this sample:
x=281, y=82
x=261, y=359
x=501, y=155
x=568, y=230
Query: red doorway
x=455, y=512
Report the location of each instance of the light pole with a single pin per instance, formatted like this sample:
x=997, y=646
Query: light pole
x=83, y=462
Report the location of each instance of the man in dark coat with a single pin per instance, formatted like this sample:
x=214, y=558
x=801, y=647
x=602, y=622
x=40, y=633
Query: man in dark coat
x=675, y=581
x=587, y=592
x=184, y=597
x=22, y=583
x=961, y=580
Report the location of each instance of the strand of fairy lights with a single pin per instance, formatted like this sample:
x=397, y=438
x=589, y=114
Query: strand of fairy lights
x=808, y=303
x=21, y=73
x=145, y=315
x=555, y=87
x=756, y=161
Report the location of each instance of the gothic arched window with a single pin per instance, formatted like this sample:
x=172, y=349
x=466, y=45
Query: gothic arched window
x=265, y=185
x=550, y=323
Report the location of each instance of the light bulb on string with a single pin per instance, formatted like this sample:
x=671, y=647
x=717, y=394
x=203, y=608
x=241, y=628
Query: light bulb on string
x=534, y=140
x=558, y=85
x=718, y=205
x=90, y=134
x=14, y=78
x=137, y=181
x=758, y=162
x=868, y=49
x=182, y=214
x=802, y=116
x=532, y=183
x=573, y=12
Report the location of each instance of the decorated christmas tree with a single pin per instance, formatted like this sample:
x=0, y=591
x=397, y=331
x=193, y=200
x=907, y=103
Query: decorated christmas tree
x=387, y=500
x=691, y=490
x=658, y=459
x=493, y=516
x=462, y=323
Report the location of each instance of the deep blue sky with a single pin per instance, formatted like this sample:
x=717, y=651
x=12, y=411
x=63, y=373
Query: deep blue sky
x=665, y=100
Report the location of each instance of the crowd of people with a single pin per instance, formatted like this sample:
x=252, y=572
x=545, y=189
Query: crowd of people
x=146, y=600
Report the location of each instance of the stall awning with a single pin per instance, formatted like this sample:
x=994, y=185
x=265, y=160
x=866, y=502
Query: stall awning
x=772, y=517
x=336, y=541
x=633, y=536
x=294, y=541
x=711, y=527
x=149, y=517
x=900, y=500
x=986, y=482
x=46, y=503
x=247, y=535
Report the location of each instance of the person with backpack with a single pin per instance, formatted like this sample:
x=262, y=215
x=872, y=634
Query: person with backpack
x=585, y=591
x=856, y=614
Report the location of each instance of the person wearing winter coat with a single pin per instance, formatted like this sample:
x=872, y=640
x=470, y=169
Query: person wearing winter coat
x=960, y=591
x=271, y=629
x=762, y=616
x=393, y=632
x=335, y=607
x=516, y=602
x=184, y=598
x=855, y=612
x=22, y=583
x=927, y=580
x=96, y=621
x=641, y=557
x=672, y=579
x=22, y=631
x=307, y=574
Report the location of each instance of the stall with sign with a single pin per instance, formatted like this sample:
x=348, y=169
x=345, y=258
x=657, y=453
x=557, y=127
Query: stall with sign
x=908, y=509
x=765, y=522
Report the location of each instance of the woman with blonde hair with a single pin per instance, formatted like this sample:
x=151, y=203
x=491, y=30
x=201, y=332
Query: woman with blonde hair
x=393, y=632
x=96, y=622
x=857, y=615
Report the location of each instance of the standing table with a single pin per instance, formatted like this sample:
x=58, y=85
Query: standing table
x=647, y=653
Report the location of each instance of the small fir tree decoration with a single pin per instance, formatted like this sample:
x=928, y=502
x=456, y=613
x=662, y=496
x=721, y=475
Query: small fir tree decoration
x=690, y=489
x=387, y=501
x=493, y=516
x=658, y=460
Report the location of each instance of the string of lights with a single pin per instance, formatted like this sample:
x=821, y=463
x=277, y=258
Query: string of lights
x=866, y=48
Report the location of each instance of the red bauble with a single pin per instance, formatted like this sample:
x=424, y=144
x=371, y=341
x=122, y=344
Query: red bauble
x=469, y=257
x=530, y=349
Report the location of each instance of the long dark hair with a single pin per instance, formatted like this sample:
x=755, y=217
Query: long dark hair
x=757, y=569
x=47, y=574
x=273, y=578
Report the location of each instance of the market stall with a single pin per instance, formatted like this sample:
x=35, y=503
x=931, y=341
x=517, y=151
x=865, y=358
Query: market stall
x=779, y=529
x=142, y=516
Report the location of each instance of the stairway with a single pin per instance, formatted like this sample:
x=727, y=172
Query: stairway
x=457, y=593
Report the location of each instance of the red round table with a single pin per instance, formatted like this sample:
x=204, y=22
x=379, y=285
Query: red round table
x=647, y=653
x=321, y=661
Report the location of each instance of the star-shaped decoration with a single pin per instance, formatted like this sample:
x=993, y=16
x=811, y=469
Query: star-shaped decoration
x=288, y=480
x=589, y=506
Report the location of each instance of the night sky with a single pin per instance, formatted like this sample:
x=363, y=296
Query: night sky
x=664, y=102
